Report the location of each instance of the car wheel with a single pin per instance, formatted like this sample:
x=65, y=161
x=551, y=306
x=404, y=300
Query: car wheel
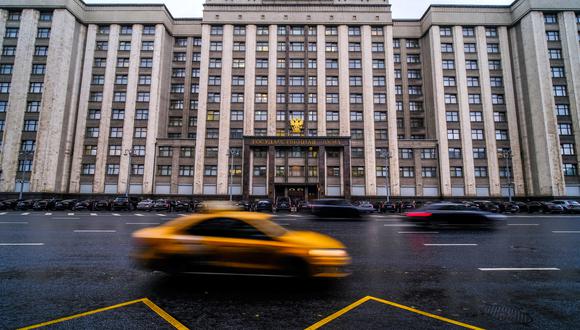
x=298, y=268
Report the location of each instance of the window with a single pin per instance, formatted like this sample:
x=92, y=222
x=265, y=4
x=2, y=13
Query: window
x=141, y=114
x=36, y=87
x=8, y=51
x=140, y=132
x=14, y=16
x=414, y=74
x=118, y=114
x=123, y=62
x=120, y=79
x=413, y=106
x=377, y=47
x=480, y=171
x=354, y=47
x=469, y=48
x=354, y=81
x=331, y=31
x=429, y=172
x=570, y=170
x=499, y=117
x=5, y=87
x=378, y=64
x=332, y=116
x=452, y=116
x=562, y=110
x=448, y=64
x=553, y=35
x=445, y=32
x=358, y=171
x=41, y=51
x=296, y=63
x=379, y=116
x=497, y=99
x=179, y=57
x=31, y=106
x=412, y=43
x=146, y=63
x=558, y=72
x=496, y=81
x=493, y=48
x=124, y=46
x=567, y=149
x=471, y=65
x=413, y=59
x=477, y=134
x=139, y=150
x=565, y=129
x=356, y=134
x=354, y=31
x=456, y=172
x=239, y=30
x=501, y=135
x=332, y=47
x=4, y=105
x=468, y=32
x=92, y=132
x=380, y=98
x=377, y=31
x=449, y=81
x=29, y=126
x=406, y=153
x=11, y=33
x=380, y=134
x=259, y=171
x=332, y=98
x=144, y=80
x=479, y=153
x=453, y=134
x=472, y=81
x=357, y=152
x=550, y=19
x=491, y=32
x=119, y=97
x=560, y=90
x=555, y=54
x=476, y=116
x=415, y=90
x=450, y=98
x=260, y=115
x=164, y=170
x=217, y=30
x=397, y=58
x=474, y=98
x=94, y=114
x=407, y=172
x=88, y=169
x=102, y=45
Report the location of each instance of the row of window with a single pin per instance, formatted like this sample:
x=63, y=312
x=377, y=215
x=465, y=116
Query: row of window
x=475, y=116
x=263, y=30
x=126, y=30
x=15, y=16
x=492, y=48
x=12, y=33
x=471, y=65
x=299, y=63
x=120, y=97
x=146, y=45
x=123, y=62
x=468, y=31
x=33, y=87
x=476, y=134
x=37, y=69
x=118, y=114
x=116, y=132
x=474, y=98
x=450, y=81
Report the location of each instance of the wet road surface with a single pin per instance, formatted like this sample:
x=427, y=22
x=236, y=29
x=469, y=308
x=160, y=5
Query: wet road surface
x=523, y=276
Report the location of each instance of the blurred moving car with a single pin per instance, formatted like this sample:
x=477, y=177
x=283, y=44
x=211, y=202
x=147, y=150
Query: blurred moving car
x=283, y=204
x=454, y=215
x=568, y=206
x=264, y=206
x=145, y=205
x=334, y=208
x=238, y=242
x=182, y=206
x=365, y=207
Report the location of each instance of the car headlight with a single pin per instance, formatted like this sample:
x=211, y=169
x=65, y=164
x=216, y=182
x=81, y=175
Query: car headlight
x=327, y=253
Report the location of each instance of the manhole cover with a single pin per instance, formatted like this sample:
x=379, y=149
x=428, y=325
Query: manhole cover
x=509, y=314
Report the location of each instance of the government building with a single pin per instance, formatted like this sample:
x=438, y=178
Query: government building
x=299, y=98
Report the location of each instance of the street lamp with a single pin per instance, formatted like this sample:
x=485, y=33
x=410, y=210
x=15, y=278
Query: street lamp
x=24, y=155
x=507, y=155
x=387, y=155
x=130, y=154
x=232, y=153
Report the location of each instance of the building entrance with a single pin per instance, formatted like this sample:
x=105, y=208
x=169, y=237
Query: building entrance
x=297, y=193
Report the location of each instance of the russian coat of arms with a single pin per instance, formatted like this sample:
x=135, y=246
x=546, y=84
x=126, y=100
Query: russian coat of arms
x=296, y=124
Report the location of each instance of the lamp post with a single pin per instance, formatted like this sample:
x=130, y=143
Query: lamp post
x=24, y=155
x=507, y=155
x=232, y=153
x=129, y=153
x=387, y=155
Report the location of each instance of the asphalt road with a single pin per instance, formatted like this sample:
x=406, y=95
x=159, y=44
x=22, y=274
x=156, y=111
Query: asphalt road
x=62, y=264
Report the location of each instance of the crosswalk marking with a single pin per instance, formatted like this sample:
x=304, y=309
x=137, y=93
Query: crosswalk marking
x=71, y=214
x=139, y=215
x=93, y=214
x=25, y=213
x=48, y=214
x=2, y=213
x=116, y=215
x=161, y=215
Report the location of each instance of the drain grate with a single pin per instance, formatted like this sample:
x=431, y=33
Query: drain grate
x=509, y=314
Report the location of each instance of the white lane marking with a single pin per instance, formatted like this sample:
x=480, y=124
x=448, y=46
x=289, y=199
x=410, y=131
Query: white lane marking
x=418, y=232
x=70, y=214
x=161, y=215
x=95, y=231
x=143, y=223
x=450, y=244
x=517, y=269
x=566, y=232
x=62, y=218
x=93, y=214
x=523, y=224
x=25, y=213
x=48, y=214
x=116, y=215
x=395, y=225
x=139, y=215
x=13, y=223
x=21, y=244
x=182, y=215
x=2, y=213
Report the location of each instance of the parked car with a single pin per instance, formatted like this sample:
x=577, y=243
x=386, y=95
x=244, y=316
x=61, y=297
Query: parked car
x=487, y=206
x=454, y=215
x=334, y=208
x=569, y=206
x=162, y=205
x=523, y=207
x=365, y=207
x=283, y=205
x=145, y=205
x=264, y=206
x=25, y=205
x=182, y=206
x=508, y=207
x=387, y=207
x=8, y=204
x=67, y=204
x=41, y=205
x=101, y=205
x=86, y=205
x=544, y=207
x=125, y=203
x=245, y=205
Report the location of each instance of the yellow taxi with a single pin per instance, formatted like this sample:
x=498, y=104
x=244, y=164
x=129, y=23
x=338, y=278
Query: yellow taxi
x=226, y=241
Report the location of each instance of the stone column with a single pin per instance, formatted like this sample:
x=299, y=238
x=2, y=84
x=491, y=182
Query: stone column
x=3, y=19
x=321, y=79
x=368, y=113
x=321, y=171
x=394, y=179
x=83, y=106
x=343, y=81
x=129, y=123
x=246, y=171
x=346, y=173
x=439, y=111
x=250, y=80
x=158, y=85
x=105, y=125
x=464, y=117
x=571, y=49
x=418, y=172
x=541, y=119
x=174, y=185
x=17, y=101
x=510, y=101
x=202, y=110
x=488, y=121
x=271, y=171
x=225, y=107
x=405, y=84
x=272, y=75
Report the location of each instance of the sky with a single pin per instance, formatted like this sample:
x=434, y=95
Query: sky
x=400, y=8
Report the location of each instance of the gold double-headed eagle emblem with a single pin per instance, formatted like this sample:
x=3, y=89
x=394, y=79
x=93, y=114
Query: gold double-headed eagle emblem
x=297, y=124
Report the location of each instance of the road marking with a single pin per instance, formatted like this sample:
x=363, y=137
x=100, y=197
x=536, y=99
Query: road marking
x=138, y=214
x=93, y=214
x=523, y=224
x=116, y=215
x=517, y=269
x=395, y=225
x=48, y=214
x=21, y=244
x=95, y=231
x=359, y=302
x=161, y=215
x=182, y=215
x=451, y=244
x=418, y=232
x=63, y=218
x=25, y=213
x=156, y=309
x=566, y=232
x=70, y=214
x=143, y=223
x=3, y=213
x=13, y=223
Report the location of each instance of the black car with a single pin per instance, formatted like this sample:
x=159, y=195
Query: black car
x=25, y=205
x=245, y=205
x=283, y=205
x=508, y=207
x=83, y=206
x=101, y=205
x=67, y=204
x=124, y=203
x=182, y=206
x=523, y=207
x=40, y=205
x=8, y=204
x=334, y=208
x=544, y=207
x=454, y=215
x=264, y=206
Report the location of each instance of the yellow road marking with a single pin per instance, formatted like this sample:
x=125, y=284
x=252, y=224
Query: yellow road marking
x=359, y=302
x=145, y=301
